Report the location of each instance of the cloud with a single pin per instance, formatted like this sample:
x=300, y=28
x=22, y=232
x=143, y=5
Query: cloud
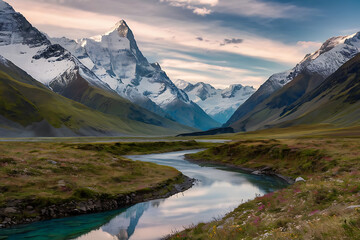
x=170, y=33
x=231, y=41
x=191, y=2
x=163, y=32
x=195, y=71
x=309, y=46
x=201, y=11
x=249, y=8
x=198, y=7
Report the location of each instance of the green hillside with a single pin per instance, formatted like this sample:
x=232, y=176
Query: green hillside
x=335, y=101
x=25, y=101
x=304, y=101
x=79, y=90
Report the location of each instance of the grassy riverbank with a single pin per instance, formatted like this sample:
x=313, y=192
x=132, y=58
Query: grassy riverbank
x=34, y=176
x=323, y=207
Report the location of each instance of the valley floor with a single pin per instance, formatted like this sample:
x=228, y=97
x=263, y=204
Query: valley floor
x=38, y=176
x=324, y=206
x=42, y=180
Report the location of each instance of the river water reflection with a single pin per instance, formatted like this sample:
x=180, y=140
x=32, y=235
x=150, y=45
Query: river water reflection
x=217, y=191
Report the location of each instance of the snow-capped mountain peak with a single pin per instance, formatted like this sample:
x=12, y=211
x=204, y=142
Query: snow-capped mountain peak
x=181, y=84
x=218, y=103
x=231, y=91
x=122, y=29
x=116, y=59
x=32, y=51
x=332, y=54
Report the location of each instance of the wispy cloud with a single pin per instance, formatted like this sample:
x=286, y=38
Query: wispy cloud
x=231, y=41
x=162, y=36
x=195, y=71
x=199, y=7
x=201, y=11
x=255, y=8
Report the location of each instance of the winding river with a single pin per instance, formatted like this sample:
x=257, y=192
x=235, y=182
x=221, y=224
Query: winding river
x=217, y=191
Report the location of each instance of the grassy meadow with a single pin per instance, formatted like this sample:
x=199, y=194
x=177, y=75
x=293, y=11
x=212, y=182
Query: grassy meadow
x=325, y=206
x=46, y=173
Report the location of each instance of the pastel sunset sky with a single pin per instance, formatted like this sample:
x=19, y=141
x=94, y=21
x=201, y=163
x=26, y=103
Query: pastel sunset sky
x=220, y=42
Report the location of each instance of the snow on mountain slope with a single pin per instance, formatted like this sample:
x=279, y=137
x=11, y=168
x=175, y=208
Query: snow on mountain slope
x=332, y=54
x=116, y=59
x=220, y=104
x=29, y=49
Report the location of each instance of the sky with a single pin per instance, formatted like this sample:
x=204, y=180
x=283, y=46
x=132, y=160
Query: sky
x=221, y=42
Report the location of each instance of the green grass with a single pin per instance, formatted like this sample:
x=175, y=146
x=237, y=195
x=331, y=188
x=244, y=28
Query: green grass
x=315, y=209
x=287, y=160
x=25, y=103
x=43, y=174
x=135, y=148
x=50, y=173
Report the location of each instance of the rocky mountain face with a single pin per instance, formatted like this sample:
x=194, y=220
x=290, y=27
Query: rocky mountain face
x=220, y=104
x=30, y=109
x=29, y=49
x=59, y=70
x=115, y=58
x=283, y=89
x=335, y=101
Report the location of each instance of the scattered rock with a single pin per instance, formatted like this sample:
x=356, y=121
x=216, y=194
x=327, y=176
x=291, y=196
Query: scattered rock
x=52, y=162
x=353, y=207
x=29, y=208
x=257, y=172
x=230, y=220
x=10, y=210
x=300, y=179
x=73, y=207
x=61, y=183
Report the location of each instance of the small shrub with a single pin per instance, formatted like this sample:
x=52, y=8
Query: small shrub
x=7, y=160
x=84, y=193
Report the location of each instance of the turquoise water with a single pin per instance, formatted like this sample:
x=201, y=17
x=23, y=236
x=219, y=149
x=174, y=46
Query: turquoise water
x=218, y=191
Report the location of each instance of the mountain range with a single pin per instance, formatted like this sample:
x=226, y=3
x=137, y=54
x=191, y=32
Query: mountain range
x=220, y=104
x=107, y=73
x=56, y=69
x=269, y=105
x=29, y=109
x=116, y=60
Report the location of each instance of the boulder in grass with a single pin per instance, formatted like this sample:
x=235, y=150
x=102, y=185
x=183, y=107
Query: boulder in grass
x=300, y=179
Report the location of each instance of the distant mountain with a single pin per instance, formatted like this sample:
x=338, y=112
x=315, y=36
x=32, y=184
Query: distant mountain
x=336, y=101
x=115, y=58
x=283, y=89
x=220, y=104
x=29, y=109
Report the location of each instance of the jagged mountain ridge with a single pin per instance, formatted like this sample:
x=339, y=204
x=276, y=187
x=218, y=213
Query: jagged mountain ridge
x=116, y=59
x=283, y=89
x=29, y=109
x=58, y=69
x=220, y=104
x=336, y=101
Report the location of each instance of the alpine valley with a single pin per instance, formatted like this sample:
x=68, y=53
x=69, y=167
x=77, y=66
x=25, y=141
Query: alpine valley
x=98, y=142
